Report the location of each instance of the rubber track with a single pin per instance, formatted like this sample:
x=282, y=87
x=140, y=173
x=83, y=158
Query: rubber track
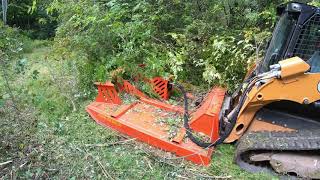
x=303, y=140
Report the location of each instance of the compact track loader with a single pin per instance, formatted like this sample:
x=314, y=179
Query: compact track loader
x=274, y=117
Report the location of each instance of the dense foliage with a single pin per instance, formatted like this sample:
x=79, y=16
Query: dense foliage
x=195, y=41
x=32, y=17
x=186, y=39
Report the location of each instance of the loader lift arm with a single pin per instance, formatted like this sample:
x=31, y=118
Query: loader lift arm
x=293, y=77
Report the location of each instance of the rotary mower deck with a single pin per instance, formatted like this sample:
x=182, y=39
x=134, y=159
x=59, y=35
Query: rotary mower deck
x=139, y=119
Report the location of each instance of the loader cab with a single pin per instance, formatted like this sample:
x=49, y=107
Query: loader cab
x=297, y=33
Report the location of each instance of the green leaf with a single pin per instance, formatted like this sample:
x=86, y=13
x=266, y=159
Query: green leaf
x=1, y=103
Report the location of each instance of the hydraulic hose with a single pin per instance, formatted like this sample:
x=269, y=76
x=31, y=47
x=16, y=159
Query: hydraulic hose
x=229, y=128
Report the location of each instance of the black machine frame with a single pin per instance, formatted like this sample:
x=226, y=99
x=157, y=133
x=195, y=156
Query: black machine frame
x=296, y=42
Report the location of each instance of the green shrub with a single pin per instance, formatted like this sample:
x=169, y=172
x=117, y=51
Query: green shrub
x=198, y=42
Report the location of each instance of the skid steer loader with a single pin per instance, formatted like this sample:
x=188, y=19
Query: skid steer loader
x=274, y=117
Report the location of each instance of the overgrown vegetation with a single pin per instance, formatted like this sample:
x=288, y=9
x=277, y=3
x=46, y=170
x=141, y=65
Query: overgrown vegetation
x=170, y=37
x=32, y=17
x=46, y=84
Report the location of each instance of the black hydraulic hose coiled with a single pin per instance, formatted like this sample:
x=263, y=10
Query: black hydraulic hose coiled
x=232, y=119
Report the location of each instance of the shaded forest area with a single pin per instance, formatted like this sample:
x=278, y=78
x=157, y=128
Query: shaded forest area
x=52, y=51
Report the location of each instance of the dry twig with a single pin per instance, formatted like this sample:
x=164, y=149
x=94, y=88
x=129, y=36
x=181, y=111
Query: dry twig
x=111, y=144
x=105, y=172
x=196, y=172
x=5, y=163
x=192, y=171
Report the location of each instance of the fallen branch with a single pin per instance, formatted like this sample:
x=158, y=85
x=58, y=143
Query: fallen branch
x=11, y=175
x=105, y=172
x=182, y=177
x=149, y=163
x=192, y=171
x=110, y=144
x=21, y=166
x=5, y=163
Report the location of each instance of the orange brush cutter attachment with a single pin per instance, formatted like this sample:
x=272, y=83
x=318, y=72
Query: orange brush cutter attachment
x=139, y=119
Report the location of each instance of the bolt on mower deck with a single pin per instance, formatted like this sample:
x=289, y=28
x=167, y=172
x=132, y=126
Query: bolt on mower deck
x=139, y=119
